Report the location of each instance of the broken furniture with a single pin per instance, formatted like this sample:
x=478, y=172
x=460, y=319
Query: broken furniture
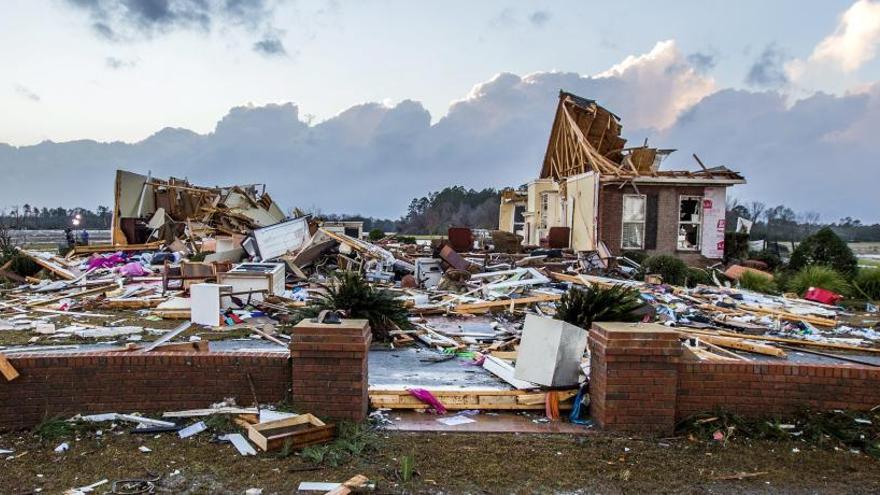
x=550, y=352
x=298, y=432
x=206, y=301
x=255, y=277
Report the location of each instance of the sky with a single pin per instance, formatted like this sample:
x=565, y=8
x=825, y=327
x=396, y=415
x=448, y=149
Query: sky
x=360, y=106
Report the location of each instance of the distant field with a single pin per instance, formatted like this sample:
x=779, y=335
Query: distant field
x=861, y=248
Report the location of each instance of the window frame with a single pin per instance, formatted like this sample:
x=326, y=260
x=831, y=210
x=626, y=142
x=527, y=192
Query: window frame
x=698, y=223
x=623, y=223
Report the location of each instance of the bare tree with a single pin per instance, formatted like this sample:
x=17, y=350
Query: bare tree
x=756, y=208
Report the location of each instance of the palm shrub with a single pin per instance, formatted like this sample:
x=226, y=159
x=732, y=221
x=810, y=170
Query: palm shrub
x=818, y=276
x=673, y=270
x=581, y=307
x=825, y=248
x=358, y=299
x=758, y=283
x=867, y=283
x=696, y=276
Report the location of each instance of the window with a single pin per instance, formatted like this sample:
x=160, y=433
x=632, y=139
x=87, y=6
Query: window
x=519, y=220
x=633, y=221
x=690, y=219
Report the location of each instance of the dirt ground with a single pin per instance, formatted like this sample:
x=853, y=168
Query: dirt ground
x=444, y=463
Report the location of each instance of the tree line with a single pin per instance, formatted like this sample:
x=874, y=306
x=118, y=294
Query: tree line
x=782, y=224
x=28, y=217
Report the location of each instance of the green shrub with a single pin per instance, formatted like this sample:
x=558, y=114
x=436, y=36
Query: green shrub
x=581, y=307
x=758, y=283
x=376, y=234
x=673, y=270
x=818, y=276
x=697, y=276
x=825, y=248
x=358, y=299
x=867, y=283
x=405, y=239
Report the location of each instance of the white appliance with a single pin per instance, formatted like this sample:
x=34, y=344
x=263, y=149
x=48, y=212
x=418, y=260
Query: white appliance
x=550, y=352
x=254, y=276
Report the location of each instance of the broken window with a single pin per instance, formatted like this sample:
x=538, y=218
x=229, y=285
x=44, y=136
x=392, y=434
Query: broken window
x=633, y=221
x=519, y=220
x=690, y=219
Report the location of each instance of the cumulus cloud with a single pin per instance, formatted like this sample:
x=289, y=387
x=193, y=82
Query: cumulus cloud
x=839, y=55
x=373, y=158
x=768, y=70
x=26, y=93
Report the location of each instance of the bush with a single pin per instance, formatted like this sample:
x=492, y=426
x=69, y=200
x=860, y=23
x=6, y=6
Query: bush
x=405, y=239
x=358, y=299
x=376, y=234
x=758, y=283
x=825, y=248
x=581, y=307
x=637, y=256
x=24, y=265
x=697, y=276
x=818, y=276
x=867, y=283
x=673, y=270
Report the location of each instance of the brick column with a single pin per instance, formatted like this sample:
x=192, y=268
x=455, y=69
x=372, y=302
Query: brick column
x=634, y=377
x=329, y=364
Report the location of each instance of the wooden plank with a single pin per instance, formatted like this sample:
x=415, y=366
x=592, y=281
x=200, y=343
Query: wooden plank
x=96, y=290
x=732, y=343
x=353, y=485
x=9, y=372
x=110, y=248
x=809, y=343
x=467, y=308
x=514, y=400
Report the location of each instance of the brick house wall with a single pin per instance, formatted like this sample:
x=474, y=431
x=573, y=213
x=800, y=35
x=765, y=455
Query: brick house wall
x=611, y=218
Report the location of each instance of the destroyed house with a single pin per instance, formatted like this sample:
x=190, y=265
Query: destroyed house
x=596, y=194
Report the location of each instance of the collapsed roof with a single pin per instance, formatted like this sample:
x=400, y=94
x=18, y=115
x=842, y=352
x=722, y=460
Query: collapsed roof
x=586, y=137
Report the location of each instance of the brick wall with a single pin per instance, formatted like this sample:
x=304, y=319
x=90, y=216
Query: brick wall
x=611, y=218
x=633, y=376
x=65, y=384
x=774, y=389
x=329, y=365
x=639, y=383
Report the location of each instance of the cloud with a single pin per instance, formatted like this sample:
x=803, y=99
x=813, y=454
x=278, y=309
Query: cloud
x=26, y=93
x=125, y=20
x=702, y=62
x=373, y=158
x=768, y=70
x=835, y=61
x=539, y=18
x=271, y=46
x=118, y=63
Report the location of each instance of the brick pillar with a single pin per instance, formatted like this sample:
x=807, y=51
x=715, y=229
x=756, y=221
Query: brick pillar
x=634, y=377
x=329, y=364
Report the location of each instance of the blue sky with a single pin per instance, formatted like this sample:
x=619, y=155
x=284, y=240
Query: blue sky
x=472, y=83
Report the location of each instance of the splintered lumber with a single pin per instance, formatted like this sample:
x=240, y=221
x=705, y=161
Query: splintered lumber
x=353, y=485
x=784, y=315
x=111, y=248
x=130, y=303
x=168, y=336
x=809, y=343
x=52, y=266
x=7, y=370
x=506, y=303
x=96, y=290
x=469, y=399
x=739, y=344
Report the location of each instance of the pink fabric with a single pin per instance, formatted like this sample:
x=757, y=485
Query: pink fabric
x=133, y=270
x=428, y=398
x=107, y=261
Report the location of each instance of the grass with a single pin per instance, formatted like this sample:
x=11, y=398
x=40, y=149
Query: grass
x=867, y=283
x=818, y=276
x=353, y=440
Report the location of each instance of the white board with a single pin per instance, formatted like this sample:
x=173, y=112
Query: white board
x=713, y=222
x=278, y=239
